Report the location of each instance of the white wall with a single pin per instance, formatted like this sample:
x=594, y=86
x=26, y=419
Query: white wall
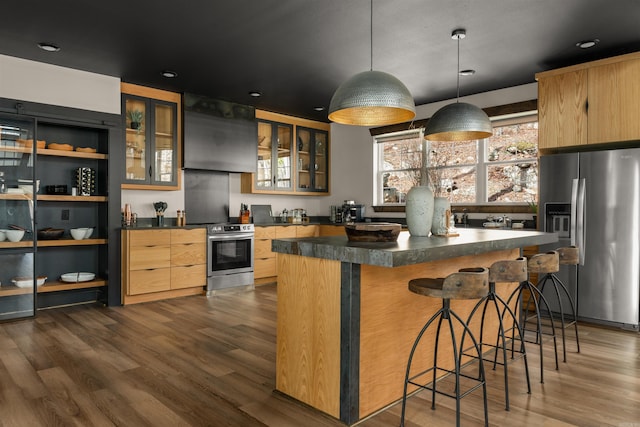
x=50, y=84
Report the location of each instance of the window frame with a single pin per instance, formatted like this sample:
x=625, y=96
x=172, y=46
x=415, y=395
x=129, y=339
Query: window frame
x=482, y=164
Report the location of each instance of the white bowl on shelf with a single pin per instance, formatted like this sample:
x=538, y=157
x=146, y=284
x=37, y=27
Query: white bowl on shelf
x=27, y=185
x=3, y=235
x=77, y=277
x=88, y=233
x=14, y=235
x=78, y=233
x=27, y=282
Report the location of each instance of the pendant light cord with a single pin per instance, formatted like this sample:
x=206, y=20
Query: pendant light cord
x=458, y=72
x=371, y=36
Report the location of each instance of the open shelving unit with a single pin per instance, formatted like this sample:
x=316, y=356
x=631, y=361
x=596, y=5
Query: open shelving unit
x=33, y=257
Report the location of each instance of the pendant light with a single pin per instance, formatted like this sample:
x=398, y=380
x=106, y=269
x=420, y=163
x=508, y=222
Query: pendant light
x=459, y=121
x=372, y=98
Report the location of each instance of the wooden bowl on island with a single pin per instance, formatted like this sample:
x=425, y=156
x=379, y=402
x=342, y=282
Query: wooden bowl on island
x=373, y=231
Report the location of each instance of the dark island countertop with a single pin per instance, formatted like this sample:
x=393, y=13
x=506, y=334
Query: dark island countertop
x=408, y=250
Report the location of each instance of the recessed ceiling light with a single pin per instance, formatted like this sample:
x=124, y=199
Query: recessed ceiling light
x=169, y=74
x=318, y=108
x=467, y=72
x=49, y=47
x=586, y=44
x=255, y=94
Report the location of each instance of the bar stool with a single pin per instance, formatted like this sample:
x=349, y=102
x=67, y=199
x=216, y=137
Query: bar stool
x=567, y=256
x=507, y=271
x=536, y=264
x=467, y=284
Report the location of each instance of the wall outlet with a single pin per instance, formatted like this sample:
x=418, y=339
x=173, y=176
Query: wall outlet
x=65, y=215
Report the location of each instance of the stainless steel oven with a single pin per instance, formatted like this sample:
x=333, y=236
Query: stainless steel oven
x=229, y=256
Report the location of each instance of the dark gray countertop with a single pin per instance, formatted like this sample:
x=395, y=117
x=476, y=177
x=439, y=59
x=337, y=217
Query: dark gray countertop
x=410, y=250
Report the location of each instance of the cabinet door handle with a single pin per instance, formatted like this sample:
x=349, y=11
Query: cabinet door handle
x=274, y=180
x=149, y=171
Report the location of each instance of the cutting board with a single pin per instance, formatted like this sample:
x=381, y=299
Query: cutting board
x=261, y=214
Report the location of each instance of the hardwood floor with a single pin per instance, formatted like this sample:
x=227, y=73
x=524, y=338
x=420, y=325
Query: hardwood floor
x=211, y=362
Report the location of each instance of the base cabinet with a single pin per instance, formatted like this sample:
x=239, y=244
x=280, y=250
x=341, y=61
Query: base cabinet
x=265, y=262
x=159, y=264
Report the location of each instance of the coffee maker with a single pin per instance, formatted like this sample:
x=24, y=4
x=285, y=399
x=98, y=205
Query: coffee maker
x=352, y=212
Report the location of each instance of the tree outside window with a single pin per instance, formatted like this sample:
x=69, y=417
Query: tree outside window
x=501, y=169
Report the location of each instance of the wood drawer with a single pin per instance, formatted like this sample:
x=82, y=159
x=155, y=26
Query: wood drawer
x=284, y=232
x=265, y=267
x=195, y=235
x=265, y=232
x=307, y=231
x=188, y=254
x=188, y=276
x=147, y=281
x=146, y=257
x=263, y=249
x=149, y=237
x=332, y=230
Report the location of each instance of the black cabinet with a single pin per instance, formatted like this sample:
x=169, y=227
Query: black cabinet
x=41, y=157
x=313, y=159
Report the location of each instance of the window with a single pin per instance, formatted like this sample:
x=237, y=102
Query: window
x=500, y=169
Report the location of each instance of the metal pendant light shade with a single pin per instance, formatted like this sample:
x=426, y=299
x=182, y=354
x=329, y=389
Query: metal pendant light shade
x=458, y=122
x=372, y=98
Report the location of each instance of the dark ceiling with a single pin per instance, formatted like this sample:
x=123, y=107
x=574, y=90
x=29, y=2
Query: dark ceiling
x=297, y=52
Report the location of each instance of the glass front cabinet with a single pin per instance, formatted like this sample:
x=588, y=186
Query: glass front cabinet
x=293, y=157
x=17, y=246
x=151, y=138
x=313, y=160
x=275, y=153
x=55, y=217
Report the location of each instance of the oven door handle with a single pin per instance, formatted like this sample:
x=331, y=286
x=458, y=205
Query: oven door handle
x=235, y=236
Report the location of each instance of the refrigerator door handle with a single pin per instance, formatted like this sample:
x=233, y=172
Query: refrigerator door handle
x=581, y=220
x=574, y=207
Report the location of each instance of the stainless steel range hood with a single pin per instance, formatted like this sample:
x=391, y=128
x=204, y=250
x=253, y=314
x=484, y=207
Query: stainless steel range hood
x=219, y=135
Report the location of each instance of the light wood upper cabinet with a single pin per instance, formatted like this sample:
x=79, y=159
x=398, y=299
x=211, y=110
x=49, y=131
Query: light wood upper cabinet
x=293, y=157
x=592, y=103
x=153, y=136
x=562, y=110
x=614, y=102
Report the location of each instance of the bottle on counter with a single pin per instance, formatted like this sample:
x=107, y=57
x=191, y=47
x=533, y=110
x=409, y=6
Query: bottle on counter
x=184, y=217
x=179, y=218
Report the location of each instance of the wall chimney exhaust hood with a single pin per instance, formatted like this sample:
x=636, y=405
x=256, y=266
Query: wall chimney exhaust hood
x=219, y=135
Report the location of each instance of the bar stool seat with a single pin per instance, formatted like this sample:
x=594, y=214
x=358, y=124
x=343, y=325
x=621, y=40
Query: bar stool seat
x=468, y=284
x=507, y=271
x=545, y=261
x=566, y=256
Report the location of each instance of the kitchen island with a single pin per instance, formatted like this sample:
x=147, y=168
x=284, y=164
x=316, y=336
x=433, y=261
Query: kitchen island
x=346, y=320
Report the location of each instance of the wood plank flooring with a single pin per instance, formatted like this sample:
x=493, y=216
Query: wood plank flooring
x=197, y=361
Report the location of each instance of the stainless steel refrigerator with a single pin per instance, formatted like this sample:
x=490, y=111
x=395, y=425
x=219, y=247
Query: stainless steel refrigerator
x=592, y=200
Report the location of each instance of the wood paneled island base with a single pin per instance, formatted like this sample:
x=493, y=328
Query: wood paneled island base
x=345, y=329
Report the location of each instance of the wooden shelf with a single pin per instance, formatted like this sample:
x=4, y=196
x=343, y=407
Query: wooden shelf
x=66, y=198
x=54, y=286
x=49, y=152
x=15, y=196
x=71, y=242
x=21, y=244
x=49, y=243
x=10, y=290
x=66, y=286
